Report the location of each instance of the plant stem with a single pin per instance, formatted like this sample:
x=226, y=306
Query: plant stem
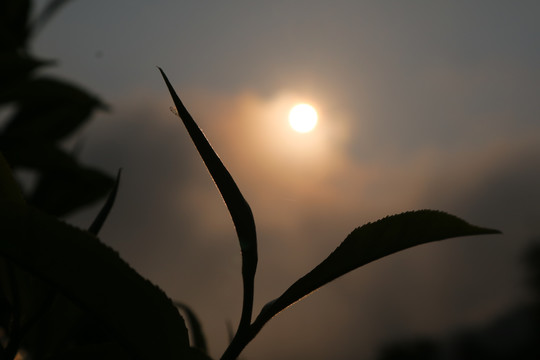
x=244, y=337
x=247, y=306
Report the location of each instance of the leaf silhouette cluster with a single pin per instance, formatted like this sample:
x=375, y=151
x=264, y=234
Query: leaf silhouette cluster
x=46, y=112
x=64, y=294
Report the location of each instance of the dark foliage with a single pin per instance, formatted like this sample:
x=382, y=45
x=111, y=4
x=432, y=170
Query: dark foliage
x=45, y=112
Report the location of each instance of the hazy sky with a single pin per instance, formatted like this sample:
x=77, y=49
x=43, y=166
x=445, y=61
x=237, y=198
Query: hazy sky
x=422, y=104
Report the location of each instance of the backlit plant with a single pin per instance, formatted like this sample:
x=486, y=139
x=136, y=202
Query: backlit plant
x=66, y=295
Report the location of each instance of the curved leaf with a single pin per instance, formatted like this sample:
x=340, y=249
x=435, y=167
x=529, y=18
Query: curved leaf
x=238, y=207
x=372, y=242
x=49, y=109
x=131, y=309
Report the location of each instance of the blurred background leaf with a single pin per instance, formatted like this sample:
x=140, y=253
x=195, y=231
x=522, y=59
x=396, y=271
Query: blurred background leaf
x=44, y=113
x=14, y=24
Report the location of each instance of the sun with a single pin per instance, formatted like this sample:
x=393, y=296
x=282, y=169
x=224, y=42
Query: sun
x=303, y=118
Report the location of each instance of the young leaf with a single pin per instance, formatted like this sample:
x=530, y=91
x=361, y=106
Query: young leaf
x=104, y=212
x=374, y=241
x=238, y=207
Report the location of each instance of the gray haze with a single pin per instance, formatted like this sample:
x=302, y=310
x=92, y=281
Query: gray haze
x=422, y=105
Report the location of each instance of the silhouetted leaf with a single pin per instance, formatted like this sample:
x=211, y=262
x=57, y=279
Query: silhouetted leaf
x=15, y=68
x=238, y=207
x=94, y=277
x=63, y=184
x=48, y=110
x=41, y=156
x=102, y=351
x=104, y=212
x=62, y=190
x=14, y=24
x=10, y=193
x=195, y=327
x=52, y=323
x=374, y=241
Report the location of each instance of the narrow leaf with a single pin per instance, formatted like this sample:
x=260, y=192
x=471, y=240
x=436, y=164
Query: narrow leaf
x=374, y=241
x=195, y=327
x=104, y=212
x=238, y=207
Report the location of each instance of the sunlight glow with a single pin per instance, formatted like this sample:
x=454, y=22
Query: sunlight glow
x=303, y=118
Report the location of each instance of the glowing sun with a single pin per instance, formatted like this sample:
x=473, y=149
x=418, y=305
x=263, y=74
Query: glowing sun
x=303, y=118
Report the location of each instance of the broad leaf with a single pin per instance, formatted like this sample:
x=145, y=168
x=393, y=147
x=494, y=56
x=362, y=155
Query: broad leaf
x=90, y=274
x=49, y=109
x=62, y=190
x=374, y=241
x=63, y=183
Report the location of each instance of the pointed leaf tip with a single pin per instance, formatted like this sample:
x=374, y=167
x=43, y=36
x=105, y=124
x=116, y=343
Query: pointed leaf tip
x=239, y=209
x=374, y=241
x=106, y=209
